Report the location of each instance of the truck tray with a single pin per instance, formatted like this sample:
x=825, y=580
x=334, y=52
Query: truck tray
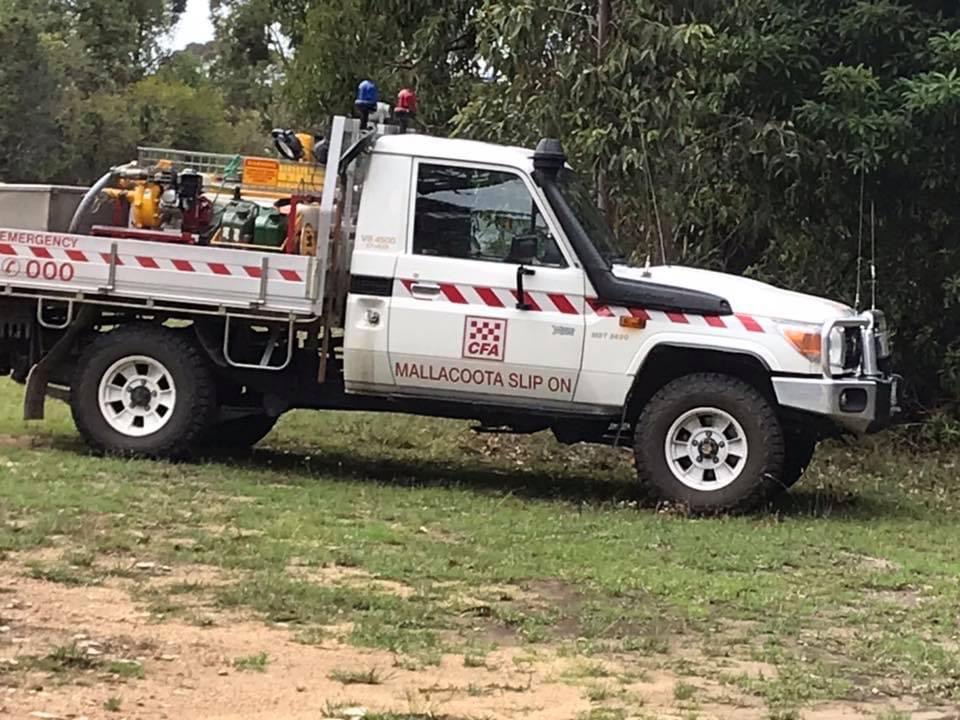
x=35, y=262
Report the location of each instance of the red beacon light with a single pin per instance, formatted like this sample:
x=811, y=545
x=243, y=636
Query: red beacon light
x=406, y=108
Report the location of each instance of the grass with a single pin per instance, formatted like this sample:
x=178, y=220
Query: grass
x=370, y=676
x=587, y=669
x=893, y=715
x=474, y=661
x=112, y=704
x=67, y=658
x=846, y=586
x=598, y=692
x=126, y=669
x=684, y=691
x=64, y=575
x=252, y=663
x=603, y=713
x=63, y=662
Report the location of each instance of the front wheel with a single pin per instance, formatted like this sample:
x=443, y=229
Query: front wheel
x=142, y=390
x=710, y=442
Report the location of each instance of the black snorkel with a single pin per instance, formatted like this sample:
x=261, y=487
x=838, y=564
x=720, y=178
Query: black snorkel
x=548, y=160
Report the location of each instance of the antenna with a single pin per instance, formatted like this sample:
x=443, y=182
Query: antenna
x=856, y=300
x=653, y=197
x=873, y=255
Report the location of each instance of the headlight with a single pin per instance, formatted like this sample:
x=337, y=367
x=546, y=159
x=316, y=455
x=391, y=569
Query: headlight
x=845, y=344
x=838, y=348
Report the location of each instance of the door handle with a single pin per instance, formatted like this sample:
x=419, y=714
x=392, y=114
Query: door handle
x=425, y=290
x=522, y=303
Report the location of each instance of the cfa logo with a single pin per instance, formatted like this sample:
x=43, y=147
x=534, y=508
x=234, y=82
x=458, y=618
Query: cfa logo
x=484, y=338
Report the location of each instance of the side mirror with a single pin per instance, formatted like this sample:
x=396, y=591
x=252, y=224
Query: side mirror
x=523, y=249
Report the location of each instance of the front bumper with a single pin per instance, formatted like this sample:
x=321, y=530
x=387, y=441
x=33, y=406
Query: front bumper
x=861, y=400
x=860, y=405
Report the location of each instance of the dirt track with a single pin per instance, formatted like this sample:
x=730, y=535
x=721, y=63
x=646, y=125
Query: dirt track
x=189, y=670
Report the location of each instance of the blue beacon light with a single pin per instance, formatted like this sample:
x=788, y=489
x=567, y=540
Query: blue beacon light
x=366, y=102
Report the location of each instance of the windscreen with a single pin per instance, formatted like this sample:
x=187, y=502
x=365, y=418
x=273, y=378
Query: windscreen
x=581, y=201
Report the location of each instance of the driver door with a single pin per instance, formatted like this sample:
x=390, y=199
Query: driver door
x=457, y=323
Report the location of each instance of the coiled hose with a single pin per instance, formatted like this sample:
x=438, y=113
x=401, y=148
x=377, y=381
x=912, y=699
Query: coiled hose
x=91, y=195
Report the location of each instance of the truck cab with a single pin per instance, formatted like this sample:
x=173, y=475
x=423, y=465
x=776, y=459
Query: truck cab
x=450, y=232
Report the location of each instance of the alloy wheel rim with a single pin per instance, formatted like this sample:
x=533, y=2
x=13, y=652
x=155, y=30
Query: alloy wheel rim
x=137, y=396
x=706, y=449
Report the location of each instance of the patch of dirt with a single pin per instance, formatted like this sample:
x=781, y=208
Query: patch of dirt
x=859, y=711
x=868, y=562
x=40, y=556
x=190, y=671
x=18, y=441
x=904, y=598
x=350, y=577
x=556, y=593
x=200, y=575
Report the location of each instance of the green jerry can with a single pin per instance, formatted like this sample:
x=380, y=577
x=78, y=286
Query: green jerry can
x=270, y=228
x=239, y=219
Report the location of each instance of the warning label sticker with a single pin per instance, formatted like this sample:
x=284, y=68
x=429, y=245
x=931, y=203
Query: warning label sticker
x=484, y=338
x=260, y=171
x=24, y=237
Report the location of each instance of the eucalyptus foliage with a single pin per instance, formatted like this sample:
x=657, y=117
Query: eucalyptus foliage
x=781, y=139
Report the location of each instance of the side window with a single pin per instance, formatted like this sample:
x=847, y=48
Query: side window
x=478, y=214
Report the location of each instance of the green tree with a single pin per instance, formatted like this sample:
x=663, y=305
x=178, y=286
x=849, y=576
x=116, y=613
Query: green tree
x=30, y=84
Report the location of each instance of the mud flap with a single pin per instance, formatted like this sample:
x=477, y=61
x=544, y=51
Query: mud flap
x=39, y=377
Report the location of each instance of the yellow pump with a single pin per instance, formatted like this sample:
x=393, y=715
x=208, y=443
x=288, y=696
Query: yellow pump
x=139, y=187
x=144, y=199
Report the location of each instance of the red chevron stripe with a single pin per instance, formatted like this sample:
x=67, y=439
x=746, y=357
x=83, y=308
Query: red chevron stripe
x=749, y=323
x=489, y=297
x=599, y=308
x=528, y=299
x=453, y=294
x=562, y=304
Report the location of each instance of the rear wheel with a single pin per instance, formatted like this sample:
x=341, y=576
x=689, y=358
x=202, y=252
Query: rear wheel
x=142, y=390
x=711, y=442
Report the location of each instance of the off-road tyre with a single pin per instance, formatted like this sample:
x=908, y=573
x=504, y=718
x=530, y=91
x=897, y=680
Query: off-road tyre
x=189, y=369
x=759, y=479
x=240, y=433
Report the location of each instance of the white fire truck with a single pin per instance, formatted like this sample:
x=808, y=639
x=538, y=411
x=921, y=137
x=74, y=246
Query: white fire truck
x=447, y=278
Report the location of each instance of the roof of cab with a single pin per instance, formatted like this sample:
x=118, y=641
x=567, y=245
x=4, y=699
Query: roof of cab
x=470, y=151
